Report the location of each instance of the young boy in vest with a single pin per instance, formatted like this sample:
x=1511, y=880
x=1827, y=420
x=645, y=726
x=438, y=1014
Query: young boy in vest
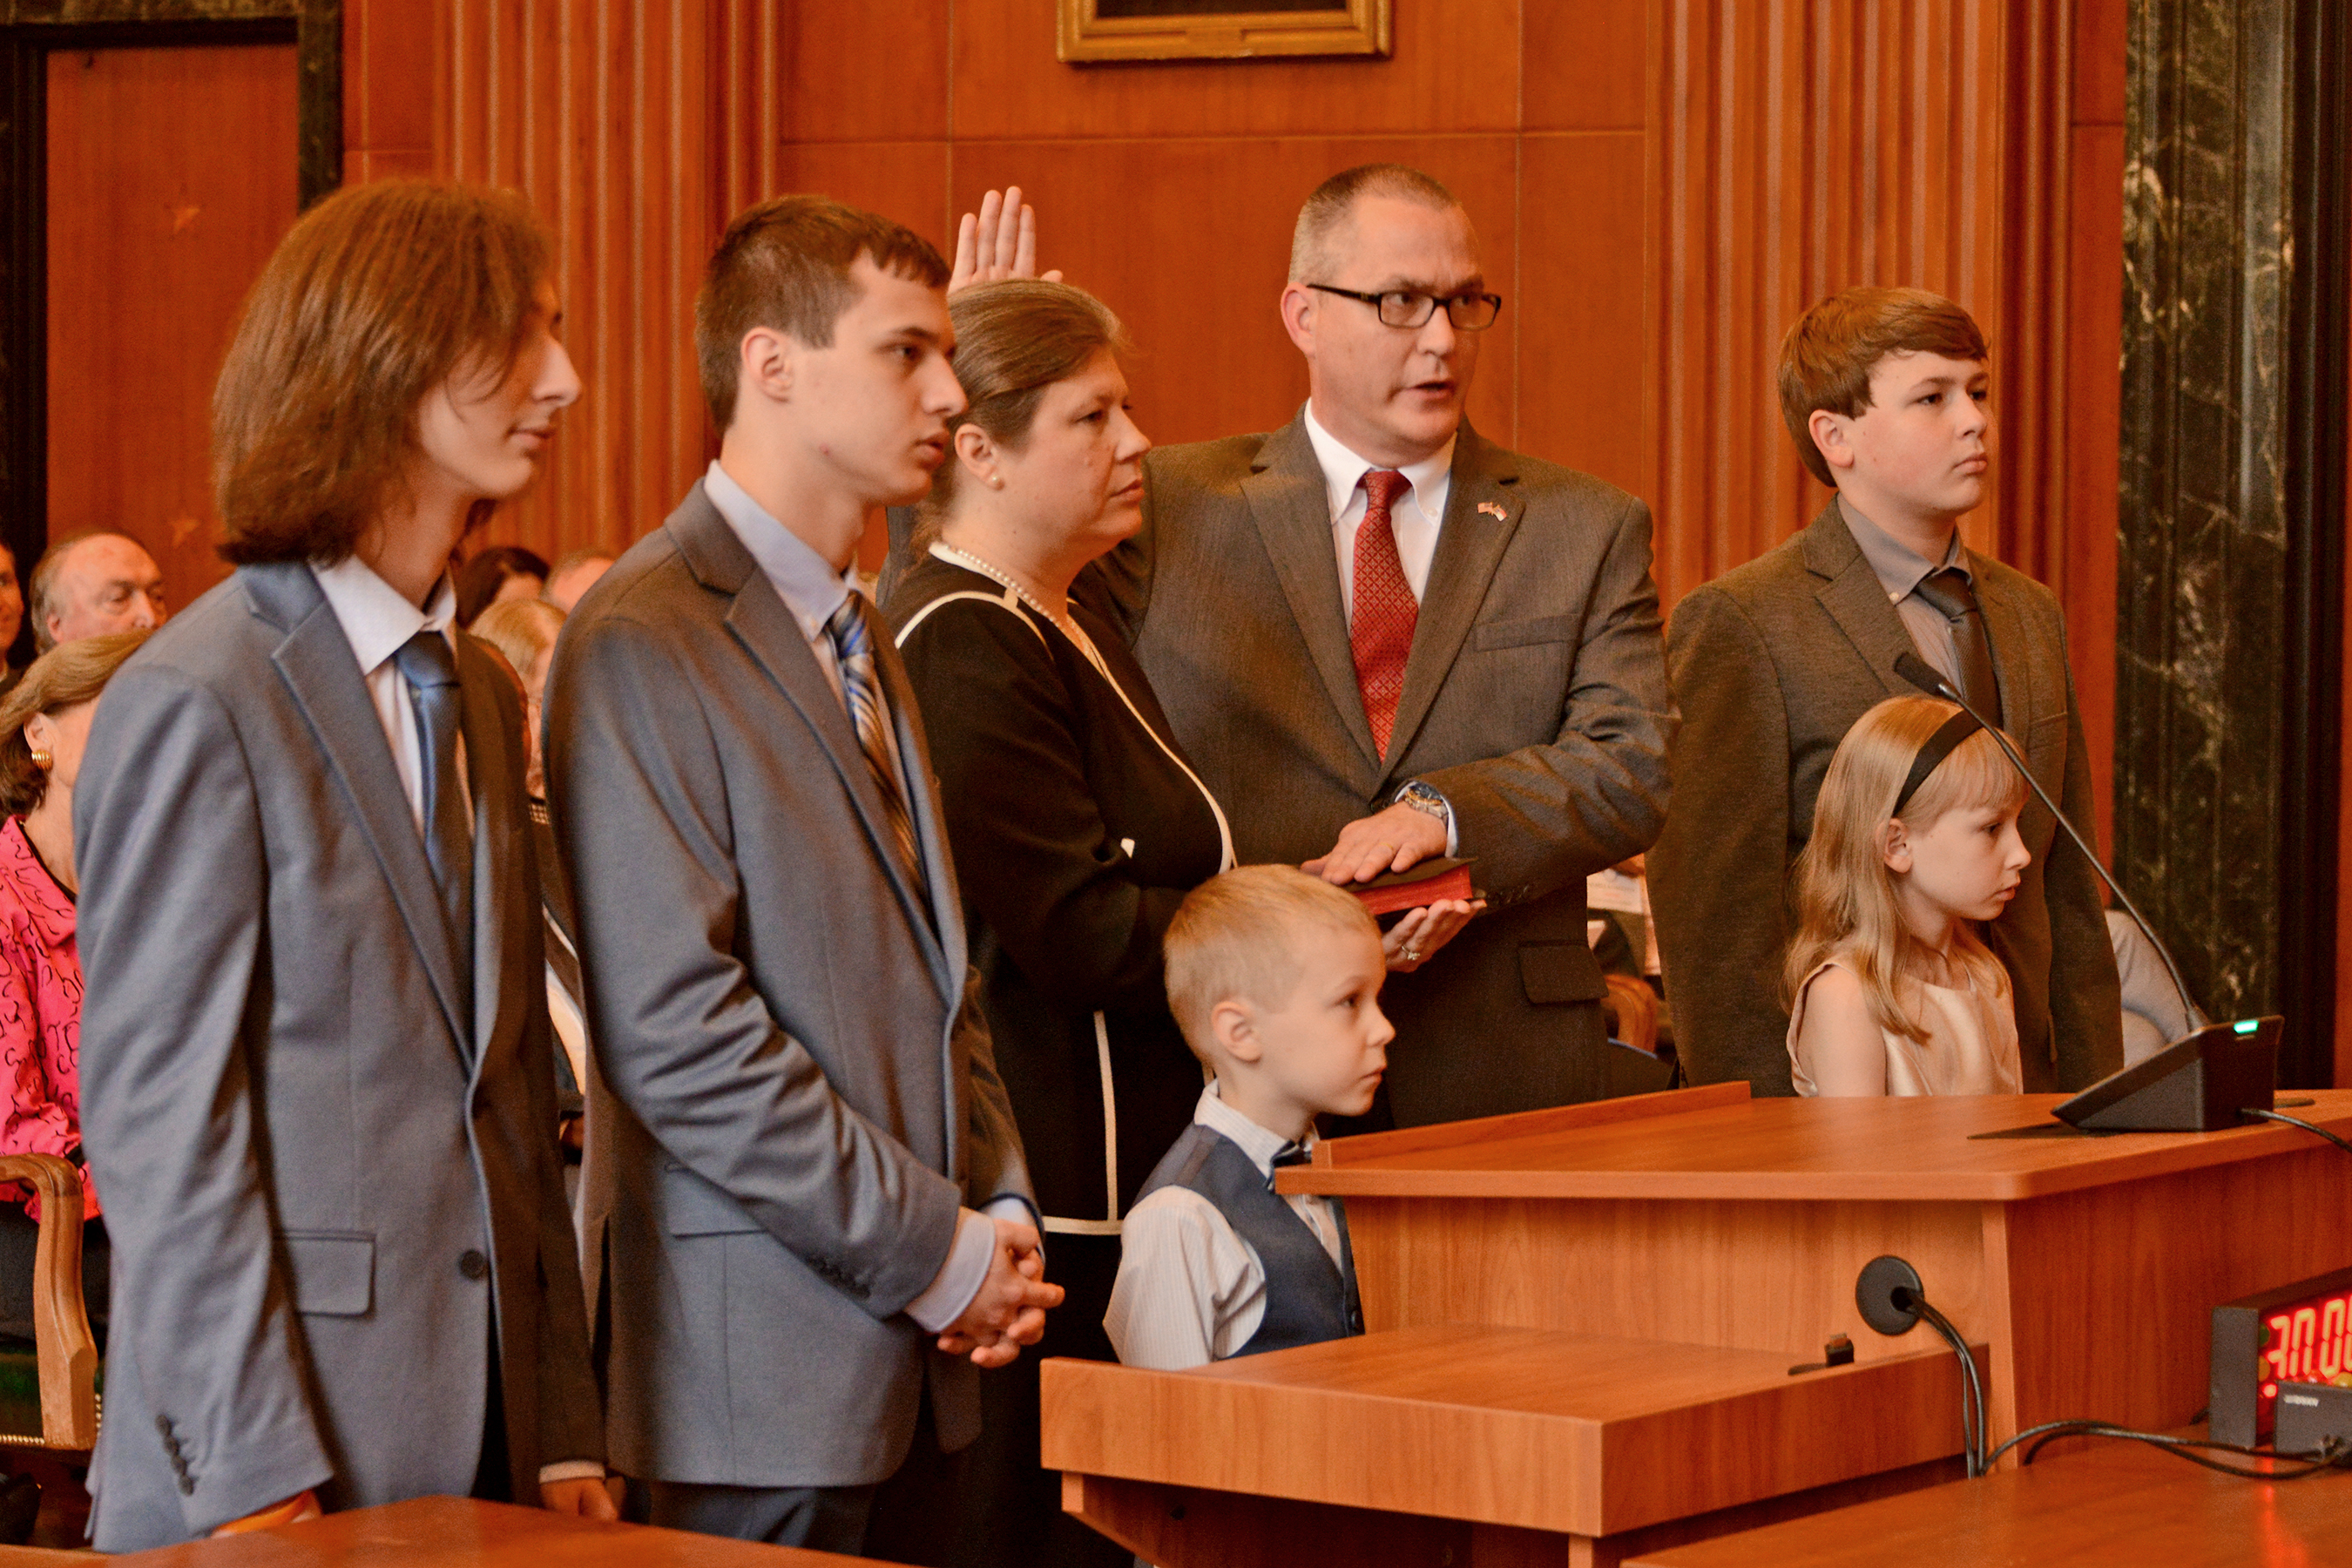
x=1274, y=978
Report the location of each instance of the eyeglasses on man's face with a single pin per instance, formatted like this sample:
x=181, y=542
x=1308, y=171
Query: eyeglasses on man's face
x=1472, y=310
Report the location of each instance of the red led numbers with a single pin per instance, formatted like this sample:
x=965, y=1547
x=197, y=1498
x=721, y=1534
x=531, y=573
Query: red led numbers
x=2307, y=1345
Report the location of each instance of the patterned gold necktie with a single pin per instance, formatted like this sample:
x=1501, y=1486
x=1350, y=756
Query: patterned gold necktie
x=861, y=690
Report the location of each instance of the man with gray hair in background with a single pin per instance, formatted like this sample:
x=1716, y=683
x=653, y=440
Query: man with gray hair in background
x=1383, y=639
x=91, y=582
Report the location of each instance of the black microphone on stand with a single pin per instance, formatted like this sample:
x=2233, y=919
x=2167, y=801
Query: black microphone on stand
x=1923, y=675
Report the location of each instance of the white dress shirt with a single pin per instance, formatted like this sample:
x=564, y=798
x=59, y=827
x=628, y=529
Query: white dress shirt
x=1190, y=1290
x=378, y=620
x=811, y=591
x=1417, y=515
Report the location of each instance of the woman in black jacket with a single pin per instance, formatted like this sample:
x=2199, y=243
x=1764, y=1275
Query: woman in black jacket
x=1076, y=824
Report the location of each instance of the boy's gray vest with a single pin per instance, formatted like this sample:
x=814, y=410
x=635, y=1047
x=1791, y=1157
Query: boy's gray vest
x=1308, y=1299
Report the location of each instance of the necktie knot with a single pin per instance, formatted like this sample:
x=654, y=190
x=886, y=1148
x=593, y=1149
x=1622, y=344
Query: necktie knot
x=1950, y=592
x=426, y=660
x=1288, y=1154
x=846, y=628
x=1382, y=488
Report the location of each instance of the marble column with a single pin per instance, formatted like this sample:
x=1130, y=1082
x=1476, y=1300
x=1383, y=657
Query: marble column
x=2230, y=582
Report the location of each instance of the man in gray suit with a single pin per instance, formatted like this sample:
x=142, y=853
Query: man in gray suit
x=821, y=1218
x=1883, y=391
x=317, y=1094
x=1382, y=637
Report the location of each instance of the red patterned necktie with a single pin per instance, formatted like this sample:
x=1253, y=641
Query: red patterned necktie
x=1380, y=631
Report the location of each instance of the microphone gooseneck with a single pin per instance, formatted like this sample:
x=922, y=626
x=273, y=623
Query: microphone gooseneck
x=1923, y=676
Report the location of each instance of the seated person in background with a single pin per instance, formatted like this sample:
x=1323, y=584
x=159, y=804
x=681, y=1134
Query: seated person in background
x=574, y=576
x=12, y=616
x=91, y=582
x=1891, y=989
x=501, y=571
x=43, y=726
x=2153, y=1016
x=1885, y=392
x=1275, y=976
x=524, y=631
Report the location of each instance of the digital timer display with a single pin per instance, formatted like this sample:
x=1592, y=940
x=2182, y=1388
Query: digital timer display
x=2297, y=1334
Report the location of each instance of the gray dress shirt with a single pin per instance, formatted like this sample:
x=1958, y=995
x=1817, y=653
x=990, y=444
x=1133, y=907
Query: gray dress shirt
x=1900, y=570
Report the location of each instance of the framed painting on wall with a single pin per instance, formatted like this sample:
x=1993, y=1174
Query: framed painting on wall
x=1093, y=30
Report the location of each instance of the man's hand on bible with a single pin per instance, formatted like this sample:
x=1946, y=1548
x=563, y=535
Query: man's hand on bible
x=1398, y=839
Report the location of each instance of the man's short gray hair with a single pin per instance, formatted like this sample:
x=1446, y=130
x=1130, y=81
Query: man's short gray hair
x=41, y=587
x=1335, y=199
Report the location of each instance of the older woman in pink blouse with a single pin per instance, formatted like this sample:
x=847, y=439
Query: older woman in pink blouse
x=44, y=721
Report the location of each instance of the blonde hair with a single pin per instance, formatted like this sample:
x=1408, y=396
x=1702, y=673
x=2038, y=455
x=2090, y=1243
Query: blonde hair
x=68, y=676
x=1845, y=896
x=1233, y=937
x=522, y=629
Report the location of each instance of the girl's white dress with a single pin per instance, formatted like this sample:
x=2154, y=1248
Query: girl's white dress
x=1970, y=1049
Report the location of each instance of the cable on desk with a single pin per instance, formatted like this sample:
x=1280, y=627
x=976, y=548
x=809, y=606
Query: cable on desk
x=1975, y=1431
x=2332, y=1455
x=2297, y=1122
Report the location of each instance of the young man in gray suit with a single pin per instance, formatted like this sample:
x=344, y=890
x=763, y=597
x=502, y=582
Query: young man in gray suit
x=317, y=1090
x=821, y=1225
x=1382, y=638
x=1883, y=391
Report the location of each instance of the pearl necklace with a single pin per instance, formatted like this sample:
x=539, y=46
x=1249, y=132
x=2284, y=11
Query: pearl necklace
x=1064, y=622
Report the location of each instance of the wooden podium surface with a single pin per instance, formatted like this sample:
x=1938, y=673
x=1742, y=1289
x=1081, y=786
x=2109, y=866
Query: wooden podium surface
x=1703, y=1221
x=451, y=1532
x=2119, y=1505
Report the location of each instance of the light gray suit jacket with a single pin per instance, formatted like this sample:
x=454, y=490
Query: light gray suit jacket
x=1535, y=699
x=1772, y=663
x=306, y=1145
x=804, y=1091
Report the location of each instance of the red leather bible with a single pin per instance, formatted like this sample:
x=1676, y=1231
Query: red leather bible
x=1425, y=883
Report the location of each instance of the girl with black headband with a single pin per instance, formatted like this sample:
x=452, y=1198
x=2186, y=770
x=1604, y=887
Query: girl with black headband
x=1891, y=987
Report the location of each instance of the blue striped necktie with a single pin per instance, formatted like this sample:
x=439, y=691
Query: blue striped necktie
x=861, y=688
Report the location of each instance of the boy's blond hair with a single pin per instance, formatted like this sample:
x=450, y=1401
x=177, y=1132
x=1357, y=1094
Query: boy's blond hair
x=1232, y=938
x=1828, y=355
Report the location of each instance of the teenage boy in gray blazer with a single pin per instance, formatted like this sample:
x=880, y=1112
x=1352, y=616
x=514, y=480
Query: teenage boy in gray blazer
x=1885, y=392
x=820, y=1226
x=317, y=1094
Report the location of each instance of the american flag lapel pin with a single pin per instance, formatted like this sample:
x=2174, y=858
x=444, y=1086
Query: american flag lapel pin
x=1492, y=509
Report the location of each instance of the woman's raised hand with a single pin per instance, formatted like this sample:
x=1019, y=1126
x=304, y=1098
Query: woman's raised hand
x=998, y=243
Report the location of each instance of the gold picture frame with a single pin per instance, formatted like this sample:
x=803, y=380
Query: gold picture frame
x=1212, y=30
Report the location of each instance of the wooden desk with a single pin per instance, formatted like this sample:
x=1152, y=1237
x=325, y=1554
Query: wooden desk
x=455, y=1532
x=2120, y=1505
x=2087, y=1266
x=1743, y=1222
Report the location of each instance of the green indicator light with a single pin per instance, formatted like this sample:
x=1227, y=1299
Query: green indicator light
x=2246, y=1026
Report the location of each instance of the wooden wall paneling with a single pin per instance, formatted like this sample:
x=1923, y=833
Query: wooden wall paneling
x=1586, y=66
x=907, y=181
x=1197, y=270
x=389, y=71
x=1585, y=363
x=1456, y=67
x=886, y=79
x=154, y=236
x=600, y=115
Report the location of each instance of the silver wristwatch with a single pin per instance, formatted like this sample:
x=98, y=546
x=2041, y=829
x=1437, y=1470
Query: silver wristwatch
x=1422, y=798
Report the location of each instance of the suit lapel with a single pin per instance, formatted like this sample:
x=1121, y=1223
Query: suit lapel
x=1292, y=508
x=490, y=762
x=1482, y=513
x=948, y=953
x=759, y=620
x=315, y=663
x=1855, y=599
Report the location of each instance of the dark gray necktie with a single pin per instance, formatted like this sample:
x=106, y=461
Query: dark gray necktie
x=1949, y=591
x=430, y=667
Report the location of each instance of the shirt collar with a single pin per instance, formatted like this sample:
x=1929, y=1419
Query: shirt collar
x=377, y=617
x=1343, y=470
x=1260, y=1144
x=1900, y=568
x=811, y=589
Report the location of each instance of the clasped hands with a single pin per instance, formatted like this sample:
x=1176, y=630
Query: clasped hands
x=1395, y=840
x=1010, y=1309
